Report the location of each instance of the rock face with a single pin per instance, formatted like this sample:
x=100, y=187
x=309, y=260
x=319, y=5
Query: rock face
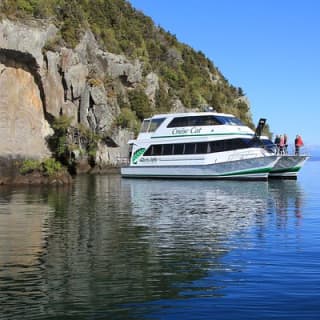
x=119, y=66
x=152, y=81
x=53, y=87
x=38, y=84
x=23, y=127
x=29, y=38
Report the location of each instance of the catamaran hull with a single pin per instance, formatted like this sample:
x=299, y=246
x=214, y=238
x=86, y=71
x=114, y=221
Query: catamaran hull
x=245, y=169
x=287, y=167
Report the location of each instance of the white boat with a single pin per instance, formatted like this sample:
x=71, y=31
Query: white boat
x=199, y=145
x=288, y=165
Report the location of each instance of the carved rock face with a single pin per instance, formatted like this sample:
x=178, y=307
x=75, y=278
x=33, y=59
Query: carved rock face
x=22, y=123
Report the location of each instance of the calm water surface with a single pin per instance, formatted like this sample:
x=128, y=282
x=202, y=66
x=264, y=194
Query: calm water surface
x=112, y=248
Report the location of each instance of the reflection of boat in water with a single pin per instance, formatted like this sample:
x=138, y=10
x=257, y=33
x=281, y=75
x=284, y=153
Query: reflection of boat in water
x=287, y=166
x=197, y=206
x=206, y=145
x=286, y=195
x=221, y=208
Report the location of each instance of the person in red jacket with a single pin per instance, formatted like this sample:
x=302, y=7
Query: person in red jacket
x=298, y=144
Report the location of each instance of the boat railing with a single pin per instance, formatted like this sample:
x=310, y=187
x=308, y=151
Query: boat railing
x=290, y=150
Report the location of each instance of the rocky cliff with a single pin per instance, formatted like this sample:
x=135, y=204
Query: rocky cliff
x=38, y=85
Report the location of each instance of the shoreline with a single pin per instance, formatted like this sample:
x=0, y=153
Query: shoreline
x=10, y=174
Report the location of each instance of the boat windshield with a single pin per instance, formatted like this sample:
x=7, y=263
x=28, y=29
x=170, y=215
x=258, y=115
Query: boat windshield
x=269, y=145
x=191, y=121
x=207, y=120
x=151, y=125
x=231, y=121
x=145, y=125
x=155, y=123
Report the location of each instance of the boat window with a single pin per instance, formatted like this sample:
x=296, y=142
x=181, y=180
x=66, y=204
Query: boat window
x=178, y=148
x=254, y=142
x=167, y=149
x=148, y=152
x=244, y=143
x=155, y=123
x=145, y=126
x=231, y=121
x=205, y=121
x=269, y=145
x=194, y=121
x=153, y=150
x=202, y=147
x=216, y=146
x=178, y=122
x=267, y=142
x=156, y=150
x=190, y=148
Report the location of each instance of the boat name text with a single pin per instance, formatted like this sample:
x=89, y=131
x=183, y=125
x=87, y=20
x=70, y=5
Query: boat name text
x=179, y=131
x=152, y=160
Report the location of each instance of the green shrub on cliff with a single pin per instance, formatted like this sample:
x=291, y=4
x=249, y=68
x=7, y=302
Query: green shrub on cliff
x=162, y=99
x=29, y=165
x=60, y=126
x=62, y=142
x=127, y=119
x=89, y=143
x=48, y=167
x=51, y=166
x=58, y=141
x=140, y=103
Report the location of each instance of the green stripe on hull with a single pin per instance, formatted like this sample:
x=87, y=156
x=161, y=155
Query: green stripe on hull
x=293, y=169
x=253, y=171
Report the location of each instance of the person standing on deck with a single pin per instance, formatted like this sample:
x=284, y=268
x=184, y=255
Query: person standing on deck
x=281, y=144
x=298, y=144
x=285, y=137
x=277, y=142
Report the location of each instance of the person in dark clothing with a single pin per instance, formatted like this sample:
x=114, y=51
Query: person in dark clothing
x=277, y=143
x=285, y=137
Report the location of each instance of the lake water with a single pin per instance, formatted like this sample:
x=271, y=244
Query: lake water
x=112, y=248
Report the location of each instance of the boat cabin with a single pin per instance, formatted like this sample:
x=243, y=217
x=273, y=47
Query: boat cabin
x=189, y=124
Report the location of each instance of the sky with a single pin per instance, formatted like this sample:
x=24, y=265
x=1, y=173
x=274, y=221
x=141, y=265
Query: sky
x=269, y=48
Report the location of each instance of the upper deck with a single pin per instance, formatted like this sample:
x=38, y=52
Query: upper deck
x=192, y=124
